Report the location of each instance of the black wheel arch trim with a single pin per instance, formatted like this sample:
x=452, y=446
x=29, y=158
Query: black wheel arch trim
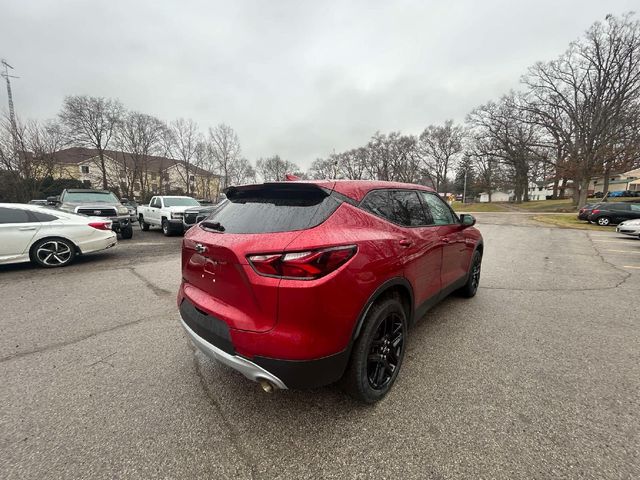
x=392, y=282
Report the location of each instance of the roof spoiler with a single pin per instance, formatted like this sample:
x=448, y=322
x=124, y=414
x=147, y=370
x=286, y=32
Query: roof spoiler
x=235, y=192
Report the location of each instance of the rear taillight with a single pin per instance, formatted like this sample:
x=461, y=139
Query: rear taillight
x=307, y=265
x=101, y=225
x=595, y=212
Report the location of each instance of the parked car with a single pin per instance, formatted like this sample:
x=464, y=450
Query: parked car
x=623, y=193
x=300, y=284
x=165, y=212
x=615, y=212
x=629, y=227
x=38, y=202
x=598, y=194
x=48, y=237
x=197, y=214
x=132, y=206
x=584, y=212
x=96, y=203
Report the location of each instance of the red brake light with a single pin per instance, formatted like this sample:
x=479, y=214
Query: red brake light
x=595, y=212
x=306, y=265
x=100, y=225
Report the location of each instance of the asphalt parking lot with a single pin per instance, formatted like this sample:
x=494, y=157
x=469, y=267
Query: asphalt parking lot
x=538, y=376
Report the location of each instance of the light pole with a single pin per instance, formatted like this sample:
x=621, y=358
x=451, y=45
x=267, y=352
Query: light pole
x=464, y=189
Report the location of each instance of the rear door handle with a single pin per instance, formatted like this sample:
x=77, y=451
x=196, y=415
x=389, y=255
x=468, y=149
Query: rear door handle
x=405, y=243
x=24, y=229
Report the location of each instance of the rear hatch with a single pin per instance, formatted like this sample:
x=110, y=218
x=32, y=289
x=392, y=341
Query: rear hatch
x=255, y=219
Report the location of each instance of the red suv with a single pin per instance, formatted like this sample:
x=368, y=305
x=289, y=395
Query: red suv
x=300, y=284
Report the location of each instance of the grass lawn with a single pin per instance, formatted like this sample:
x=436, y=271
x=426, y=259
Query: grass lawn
x=478, y=207
x=569, y=220
x=560, y=206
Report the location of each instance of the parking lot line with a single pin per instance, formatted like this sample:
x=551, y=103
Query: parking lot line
x=637, y=267
x=624, y=251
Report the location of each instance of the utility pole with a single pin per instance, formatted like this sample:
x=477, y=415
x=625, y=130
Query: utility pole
x=464, y=190
x=6, y=76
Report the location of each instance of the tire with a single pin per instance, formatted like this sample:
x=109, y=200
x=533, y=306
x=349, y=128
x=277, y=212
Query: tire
x=473, y=280
x=127, y=233
x=604, y=221
x=378, y=352
x=144, y=226
x=166, y=228
x=53, y=252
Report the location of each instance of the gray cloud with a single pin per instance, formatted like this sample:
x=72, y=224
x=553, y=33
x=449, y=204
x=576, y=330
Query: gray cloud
x=297, y=78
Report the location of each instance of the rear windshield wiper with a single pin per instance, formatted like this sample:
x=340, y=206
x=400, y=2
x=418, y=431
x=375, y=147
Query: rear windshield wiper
x=212, y=225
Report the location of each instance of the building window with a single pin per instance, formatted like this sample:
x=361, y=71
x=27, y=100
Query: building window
x=86, y=183
x=192, y=178
x=84, y=168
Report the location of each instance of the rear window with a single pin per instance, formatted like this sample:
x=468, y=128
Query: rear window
x=271, y=210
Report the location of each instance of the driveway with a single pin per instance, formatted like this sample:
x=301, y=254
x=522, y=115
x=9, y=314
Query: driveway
x=538, y=376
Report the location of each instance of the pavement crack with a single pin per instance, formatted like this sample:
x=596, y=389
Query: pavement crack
x=160, y=292
x=57, y=345
x=626, y=275
x=236, y=437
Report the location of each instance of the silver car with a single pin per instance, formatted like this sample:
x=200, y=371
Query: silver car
x=629, y=227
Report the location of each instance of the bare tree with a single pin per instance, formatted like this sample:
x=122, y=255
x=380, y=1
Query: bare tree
x=92, y=122
x=139, y=135
x=440, y=147
x=241, y=172
x=225, y=152
x=182, y=142
x=595, y=83
x=27, y=155
x=274, y=169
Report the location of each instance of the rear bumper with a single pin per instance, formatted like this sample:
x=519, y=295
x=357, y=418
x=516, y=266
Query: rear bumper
x=246, y=367
x=98, y=244
x=214, y=338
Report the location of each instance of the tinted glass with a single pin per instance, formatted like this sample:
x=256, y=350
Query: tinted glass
x=635, y=208
x=378, y=202
x=439, y=211
x=269, y=210
x=13, y=215
x=44, y=217
x=407, y=209
x=181, y=202
x=96, y=197
x=619, y=207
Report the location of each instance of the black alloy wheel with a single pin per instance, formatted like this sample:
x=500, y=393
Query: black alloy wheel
x=385, y=351
x=378, y=351
x=473, y=281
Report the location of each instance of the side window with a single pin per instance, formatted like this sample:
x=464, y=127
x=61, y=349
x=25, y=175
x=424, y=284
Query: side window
x=439, y=210
x=378, y=203
x=406, y=209
x=14, y=215
x=635, y=208
x=44, y=217
x=155, y=203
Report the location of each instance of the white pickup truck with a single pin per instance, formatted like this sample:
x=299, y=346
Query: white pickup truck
x=165, y=212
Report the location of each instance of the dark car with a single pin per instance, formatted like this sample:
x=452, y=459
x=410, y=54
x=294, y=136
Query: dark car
x=96, y=203
x=584, y=212
x=613, y=213
x=300, y=284
x=197, y=214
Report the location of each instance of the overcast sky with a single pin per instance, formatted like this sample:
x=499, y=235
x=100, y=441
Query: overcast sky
x=296, y=78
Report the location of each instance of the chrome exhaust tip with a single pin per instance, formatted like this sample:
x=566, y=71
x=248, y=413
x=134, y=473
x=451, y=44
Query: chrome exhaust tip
x=267, y=386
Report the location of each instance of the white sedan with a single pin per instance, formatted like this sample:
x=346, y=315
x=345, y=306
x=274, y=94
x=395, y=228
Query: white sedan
x=48, y=237
x=629, y=227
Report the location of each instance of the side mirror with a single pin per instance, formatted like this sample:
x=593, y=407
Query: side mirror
x=53, y=200
x=467, y=220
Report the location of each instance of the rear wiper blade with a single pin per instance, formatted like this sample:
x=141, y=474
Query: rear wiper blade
x=212, y=225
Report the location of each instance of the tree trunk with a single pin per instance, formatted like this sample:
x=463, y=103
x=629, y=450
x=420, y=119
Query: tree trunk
x=556, y=182
x=584, y=186
x=104, y=169
x=605, y=187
